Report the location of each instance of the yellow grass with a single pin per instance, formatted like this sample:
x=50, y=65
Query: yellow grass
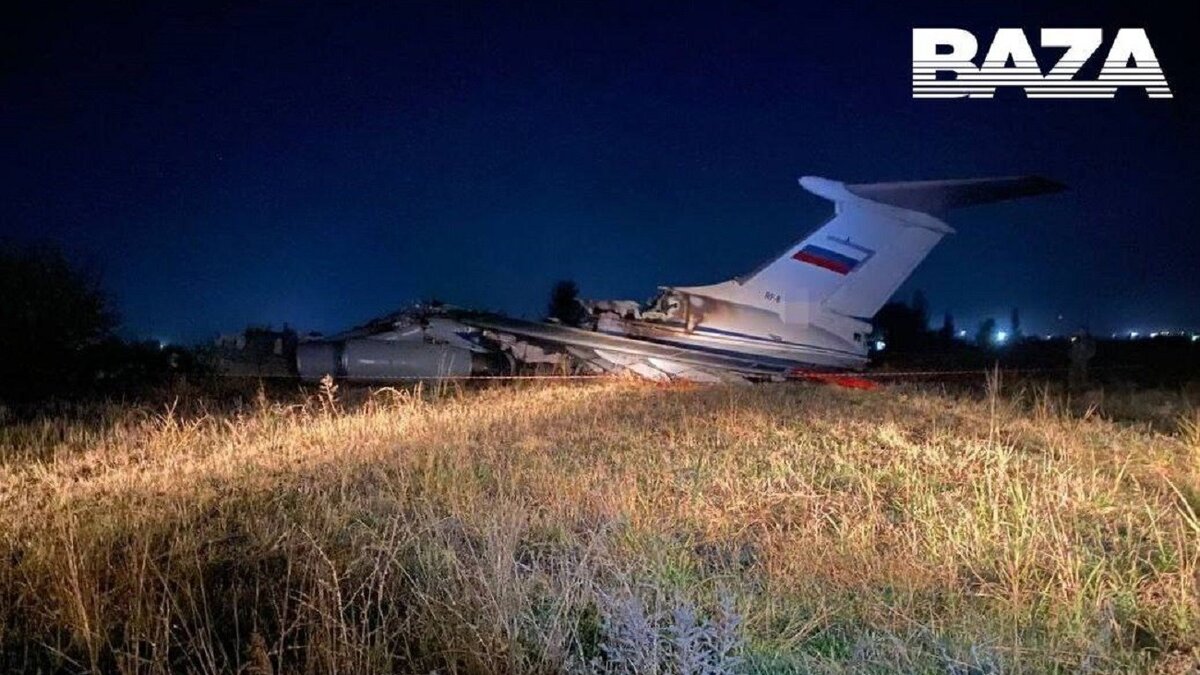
x=606, y=527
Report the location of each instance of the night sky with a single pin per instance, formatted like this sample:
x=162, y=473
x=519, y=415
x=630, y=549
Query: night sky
x=233, y=163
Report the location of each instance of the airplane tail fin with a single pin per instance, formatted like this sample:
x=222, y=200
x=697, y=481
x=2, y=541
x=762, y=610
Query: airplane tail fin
x=853, y=263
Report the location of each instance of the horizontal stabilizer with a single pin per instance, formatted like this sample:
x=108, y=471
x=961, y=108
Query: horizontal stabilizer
x=935, y=196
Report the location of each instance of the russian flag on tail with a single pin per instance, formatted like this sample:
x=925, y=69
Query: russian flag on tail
x=827, y=259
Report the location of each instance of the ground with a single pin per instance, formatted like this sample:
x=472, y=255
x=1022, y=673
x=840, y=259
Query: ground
x=607, y=527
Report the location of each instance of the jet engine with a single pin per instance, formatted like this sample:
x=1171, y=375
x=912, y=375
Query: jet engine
x=414, y=344
x=380, y=360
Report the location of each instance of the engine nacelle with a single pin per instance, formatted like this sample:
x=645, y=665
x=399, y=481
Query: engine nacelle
x=381, y=360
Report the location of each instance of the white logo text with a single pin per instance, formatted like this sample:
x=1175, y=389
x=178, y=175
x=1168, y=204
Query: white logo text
x=943, y=64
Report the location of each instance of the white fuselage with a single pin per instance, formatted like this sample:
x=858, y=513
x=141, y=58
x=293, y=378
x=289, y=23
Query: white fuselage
x=723, y=327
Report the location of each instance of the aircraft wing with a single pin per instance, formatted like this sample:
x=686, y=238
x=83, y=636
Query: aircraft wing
x=640, y=355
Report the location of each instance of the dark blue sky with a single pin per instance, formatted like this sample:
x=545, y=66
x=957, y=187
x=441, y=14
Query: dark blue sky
x=237, y=163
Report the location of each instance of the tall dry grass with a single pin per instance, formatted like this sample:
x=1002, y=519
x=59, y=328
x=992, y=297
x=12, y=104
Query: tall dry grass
x=616, y=527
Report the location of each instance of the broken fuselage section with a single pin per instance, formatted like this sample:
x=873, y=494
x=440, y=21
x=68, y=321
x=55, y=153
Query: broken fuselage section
x=676, y=335
x=716, y=320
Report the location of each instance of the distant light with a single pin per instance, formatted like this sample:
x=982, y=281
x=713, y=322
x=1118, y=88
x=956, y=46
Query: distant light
x=1001, y=336
x=880, y=345
x=1133, y=335
x=962, y=333
x=1154, y=335
x=1196, y=338
x=1049, y=337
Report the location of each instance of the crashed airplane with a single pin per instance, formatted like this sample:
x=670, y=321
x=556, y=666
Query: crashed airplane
x=805, y=310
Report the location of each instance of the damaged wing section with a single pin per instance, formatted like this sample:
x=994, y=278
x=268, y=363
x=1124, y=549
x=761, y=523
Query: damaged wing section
x=490, y=344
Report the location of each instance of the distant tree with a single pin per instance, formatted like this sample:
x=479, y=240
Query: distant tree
x=1014, y=323
x=901, y=327
x=983, y=336
x=50, y=310
x=947, y=330
x=920, y=306
x=564, y=303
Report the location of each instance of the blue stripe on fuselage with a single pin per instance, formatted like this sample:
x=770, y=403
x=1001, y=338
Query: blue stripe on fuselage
x=759, y=338
x=759, y=359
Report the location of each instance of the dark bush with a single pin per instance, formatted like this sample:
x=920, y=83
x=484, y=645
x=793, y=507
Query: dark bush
x=51, y=311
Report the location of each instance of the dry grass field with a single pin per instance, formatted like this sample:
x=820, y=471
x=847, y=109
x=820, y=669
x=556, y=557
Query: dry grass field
x=610, y=527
